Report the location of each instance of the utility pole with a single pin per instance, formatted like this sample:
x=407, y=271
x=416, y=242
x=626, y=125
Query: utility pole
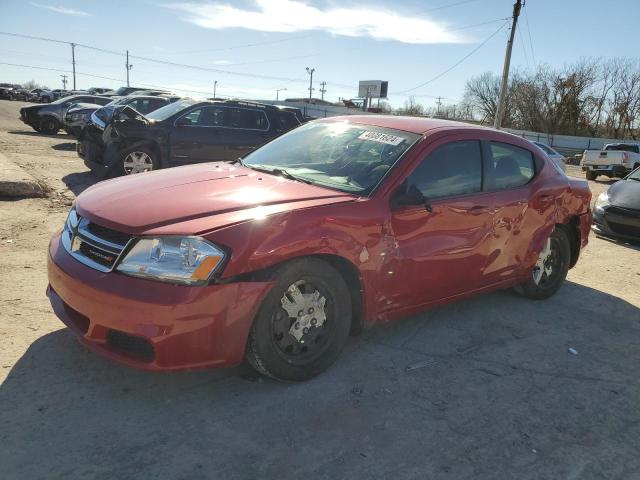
x=322, y=90
x=73, y=63
x=278, y=91
x=507, y=61
x=64, y=81
x=128, y=66
x=215, y=87
x=439, y=103
x=310, y=72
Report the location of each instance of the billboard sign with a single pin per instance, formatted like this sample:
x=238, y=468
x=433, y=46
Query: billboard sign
x=372, y=89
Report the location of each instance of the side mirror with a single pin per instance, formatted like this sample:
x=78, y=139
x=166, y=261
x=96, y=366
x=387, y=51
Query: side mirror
x=411, y=196
x=183, y=122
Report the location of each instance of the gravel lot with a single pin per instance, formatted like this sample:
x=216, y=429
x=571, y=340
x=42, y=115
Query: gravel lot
x=485, y=388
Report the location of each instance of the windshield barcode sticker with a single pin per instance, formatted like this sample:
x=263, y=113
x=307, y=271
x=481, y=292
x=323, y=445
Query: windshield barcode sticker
x=381, y=138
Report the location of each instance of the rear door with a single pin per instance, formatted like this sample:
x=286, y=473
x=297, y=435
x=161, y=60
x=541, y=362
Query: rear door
x=245, y=129
x=202, y=139
x=522, y=205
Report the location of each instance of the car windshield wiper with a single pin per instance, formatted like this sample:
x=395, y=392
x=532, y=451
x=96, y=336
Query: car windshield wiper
x=238, y=161
x=279, y=171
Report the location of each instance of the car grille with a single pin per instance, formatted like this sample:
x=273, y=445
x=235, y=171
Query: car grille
x=96, y=246
x=625, y=212
x=622, y=229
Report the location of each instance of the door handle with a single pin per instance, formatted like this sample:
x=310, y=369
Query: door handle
x=479, y=209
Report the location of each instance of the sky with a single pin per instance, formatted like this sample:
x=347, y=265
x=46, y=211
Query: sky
x=251, y=48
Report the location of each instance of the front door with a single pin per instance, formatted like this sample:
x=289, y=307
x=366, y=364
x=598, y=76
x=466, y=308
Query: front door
x=441, y=249
x=198, y=136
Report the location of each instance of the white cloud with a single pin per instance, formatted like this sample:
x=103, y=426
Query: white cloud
x=295, y=15
x=221, y=62
x=63, y=10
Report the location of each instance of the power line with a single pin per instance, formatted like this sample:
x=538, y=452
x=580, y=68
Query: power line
x=457, y=63
x=449, y=5
x=247, y=45
x=526, y=21
x=524, y=48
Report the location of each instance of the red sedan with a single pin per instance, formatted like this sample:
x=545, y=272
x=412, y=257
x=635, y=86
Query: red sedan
x=340, y=223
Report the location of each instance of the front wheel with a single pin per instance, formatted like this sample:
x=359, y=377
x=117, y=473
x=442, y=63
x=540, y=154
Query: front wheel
x=138, y=160
x=49, y=126
x=551, y=268
x=591, y=175
x=303, y=323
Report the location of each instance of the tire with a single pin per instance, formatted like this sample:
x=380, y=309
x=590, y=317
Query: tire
x=543, y=284
x=137, y=160
x=591, y=175
x=272, y=347
x=49, y=126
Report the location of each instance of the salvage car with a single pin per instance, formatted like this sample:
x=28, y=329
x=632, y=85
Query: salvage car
x=187, y=131
x=557, y=157
x=78, y=116
x=339, y=223
x=50, y=118
x=617, y=211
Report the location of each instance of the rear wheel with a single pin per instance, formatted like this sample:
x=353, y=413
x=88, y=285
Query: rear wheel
x=49, y=125
x=591, y=175
x=303, y=323
x=551, y=268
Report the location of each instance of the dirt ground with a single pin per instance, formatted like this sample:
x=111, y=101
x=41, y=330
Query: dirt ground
x=485, y=388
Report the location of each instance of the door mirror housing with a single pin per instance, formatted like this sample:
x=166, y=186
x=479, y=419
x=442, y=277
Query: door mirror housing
x=409, y=196
x=183, y=122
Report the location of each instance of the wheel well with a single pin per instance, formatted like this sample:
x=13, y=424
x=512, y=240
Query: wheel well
x=351, y=276
x=345, y=268
x=572, y=229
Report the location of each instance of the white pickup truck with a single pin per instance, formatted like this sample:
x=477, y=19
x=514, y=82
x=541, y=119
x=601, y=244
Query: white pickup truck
x=615, y=160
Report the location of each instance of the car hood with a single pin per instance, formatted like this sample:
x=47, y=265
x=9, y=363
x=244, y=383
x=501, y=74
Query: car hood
x=196, y=199
x=625, y=193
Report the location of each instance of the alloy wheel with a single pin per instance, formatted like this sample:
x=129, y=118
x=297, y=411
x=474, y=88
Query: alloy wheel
x=137, y=162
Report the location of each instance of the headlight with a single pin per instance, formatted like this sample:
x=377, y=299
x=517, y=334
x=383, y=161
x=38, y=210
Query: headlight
x=603, y=200
x=185, y=260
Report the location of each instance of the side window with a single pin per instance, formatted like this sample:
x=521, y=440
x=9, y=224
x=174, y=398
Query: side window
x=194, y=116
x=246, y=119
x=211, y=117
x=452, y=169
x=508, y=166
x=286, y=121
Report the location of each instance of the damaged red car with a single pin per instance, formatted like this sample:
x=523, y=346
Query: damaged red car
x=338, y=224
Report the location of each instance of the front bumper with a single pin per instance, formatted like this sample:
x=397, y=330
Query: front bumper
x=149, y=324
x=97, y=158
x=613, y=221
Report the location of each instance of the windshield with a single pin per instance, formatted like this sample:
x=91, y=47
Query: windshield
x=167, y=111
x=635, y=175
x=340, y=155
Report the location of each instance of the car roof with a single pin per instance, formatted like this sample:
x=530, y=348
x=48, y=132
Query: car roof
x=418, y=125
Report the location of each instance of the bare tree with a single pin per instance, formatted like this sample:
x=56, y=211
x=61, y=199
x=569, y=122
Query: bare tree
x=412, y=108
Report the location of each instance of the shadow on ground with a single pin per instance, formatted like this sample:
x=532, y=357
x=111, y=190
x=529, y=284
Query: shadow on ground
x=634, y=245
x=485, y=388
x=37, y=134
x=78, y=182
x=65, y=147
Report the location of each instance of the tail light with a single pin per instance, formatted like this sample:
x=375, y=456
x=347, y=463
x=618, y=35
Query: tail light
x=625, y=156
